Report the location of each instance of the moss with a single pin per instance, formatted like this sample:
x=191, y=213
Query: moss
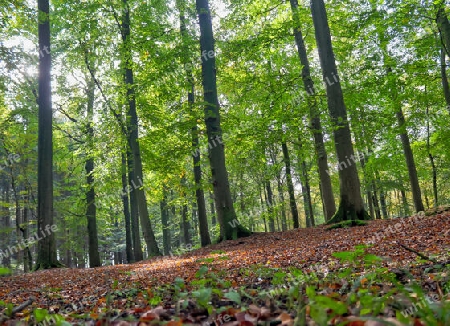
x=347, y=224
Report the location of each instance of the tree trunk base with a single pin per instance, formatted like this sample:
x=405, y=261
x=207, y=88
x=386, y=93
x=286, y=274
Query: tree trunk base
x=238, y=232
x=48, y=266
x=348, y=213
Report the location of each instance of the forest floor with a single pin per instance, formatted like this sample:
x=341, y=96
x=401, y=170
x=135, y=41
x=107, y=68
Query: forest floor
x=282, y=278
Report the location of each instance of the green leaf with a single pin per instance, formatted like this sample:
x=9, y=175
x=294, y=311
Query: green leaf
x=40, y=314
x=233, y=296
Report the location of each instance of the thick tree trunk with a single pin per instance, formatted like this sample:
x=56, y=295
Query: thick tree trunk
x=229, y=226
x=186, y=225
x=91, y=209
x=290, y=185
x=351, y=205
x=329, y=205
x=46, y=257
x=133, y=139
x=126, y=213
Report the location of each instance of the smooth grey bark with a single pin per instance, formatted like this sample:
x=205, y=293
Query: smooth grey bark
x=91, y=209
x=126, y=212
x=133, y=138
x=351, y=206
x=46, y=252
x=329, y=206
x=290, y=185
x=226, y=214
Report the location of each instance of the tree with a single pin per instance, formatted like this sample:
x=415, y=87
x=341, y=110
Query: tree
x=351, y=205
x=47, y=257
x=91, y=209
x=199, y=193
x=222, y=195
x=329, y=206
x=133, y=137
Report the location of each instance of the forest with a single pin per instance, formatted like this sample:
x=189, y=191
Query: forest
x=233, y=162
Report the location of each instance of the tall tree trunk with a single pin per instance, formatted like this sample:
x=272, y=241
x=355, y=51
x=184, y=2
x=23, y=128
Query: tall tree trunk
x=224, y=205
x=431, y=157
x=290, y=185
x=281, y=198
x=126, y=212
x=409, y=157
x=329, y=205
x=351, y=205
x=269, y=203
x=445, y=84
x=46, y=255
x=134, y=210
x=91, y=209
x=133, y=138
x=199, y=193
x=307, y=195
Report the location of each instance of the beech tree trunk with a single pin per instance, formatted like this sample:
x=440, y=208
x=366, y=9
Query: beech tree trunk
x=126, y=213
x=351, y=206
x=290, y=185
x=199, y=193
x=444, y=77
x=91, y=209
x=329, y=206
x=269, y=203
x=137, y=182
x=165, y=224
x=46, y=255
x=229, y=226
